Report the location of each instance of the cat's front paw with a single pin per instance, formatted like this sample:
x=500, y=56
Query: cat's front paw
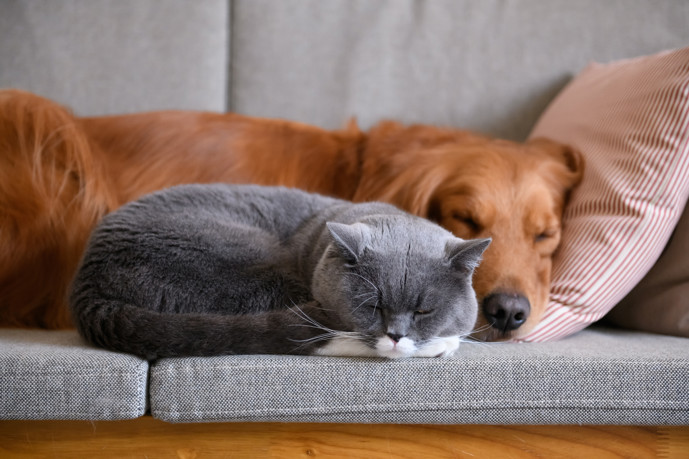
x=443, y=346
x=346, y=347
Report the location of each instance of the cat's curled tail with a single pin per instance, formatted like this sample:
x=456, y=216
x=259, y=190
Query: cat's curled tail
x=121, y=327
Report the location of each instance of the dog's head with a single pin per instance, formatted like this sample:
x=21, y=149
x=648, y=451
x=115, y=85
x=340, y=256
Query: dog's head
x=480, y=187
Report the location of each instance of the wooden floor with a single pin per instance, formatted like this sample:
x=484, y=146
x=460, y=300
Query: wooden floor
x=149, y=438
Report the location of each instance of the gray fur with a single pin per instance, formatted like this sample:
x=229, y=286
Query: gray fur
x=199, y=270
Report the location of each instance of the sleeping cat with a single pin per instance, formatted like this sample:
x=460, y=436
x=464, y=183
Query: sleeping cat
x=199, y=270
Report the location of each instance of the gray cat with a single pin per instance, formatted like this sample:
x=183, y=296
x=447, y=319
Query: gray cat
x=200, y=270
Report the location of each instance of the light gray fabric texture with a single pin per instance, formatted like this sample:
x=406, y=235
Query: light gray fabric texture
x=489, y=65
x=660, y=302
x=596, y=377
x=104, y=56
x=54, y=375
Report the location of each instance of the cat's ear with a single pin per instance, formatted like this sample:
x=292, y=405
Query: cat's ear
x=350, y=239
x=465, y=256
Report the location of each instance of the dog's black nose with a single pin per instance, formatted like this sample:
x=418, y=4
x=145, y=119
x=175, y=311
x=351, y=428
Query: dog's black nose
x=506, y=311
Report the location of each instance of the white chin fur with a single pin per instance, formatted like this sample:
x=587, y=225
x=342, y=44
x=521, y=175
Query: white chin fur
x=390, y=349
x=385, y=347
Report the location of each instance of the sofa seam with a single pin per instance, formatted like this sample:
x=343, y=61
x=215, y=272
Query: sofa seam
x=206, y=367
x=85, y=372
x=436, y=406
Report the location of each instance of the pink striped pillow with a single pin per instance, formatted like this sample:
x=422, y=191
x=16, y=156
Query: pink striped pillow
x=630, y=120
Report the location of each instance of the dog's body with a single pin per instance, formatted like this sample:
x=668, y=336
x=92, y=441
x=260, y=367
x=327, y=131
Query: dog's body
x=60, y=174
x=213, y=147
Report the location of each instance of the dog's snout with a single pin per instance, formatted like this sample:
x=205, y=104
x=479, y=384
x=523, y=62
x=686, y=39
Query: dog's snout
x=505, y=311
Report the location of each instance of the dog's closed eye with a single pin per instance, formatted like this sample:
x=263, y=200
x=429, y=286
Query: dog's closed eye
x=467, y=220
x=545, y=235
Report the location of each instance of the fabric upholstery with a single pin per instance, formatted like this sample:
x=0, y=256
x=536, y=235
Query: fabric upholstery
x=54, y=375
x=597, y=376
x=660, y=302
x=489, y=65
x=103, y=57
x=629, y=119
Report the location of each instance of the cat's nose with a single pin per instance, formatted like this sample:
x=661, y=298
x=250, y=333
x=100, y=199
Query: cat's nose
x=395, y=337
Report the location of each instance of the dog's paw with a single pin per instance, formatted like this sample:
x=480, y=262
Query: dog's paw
x=443, y=346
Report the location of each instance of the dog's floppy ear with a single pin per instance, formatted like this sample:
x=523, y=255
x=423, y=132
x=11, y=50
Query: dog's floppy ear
x=564, y=155
x=412, y=188
x=402, y=166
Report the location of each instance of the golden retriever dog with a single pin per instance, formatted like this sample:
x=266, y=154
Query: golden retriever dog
x=60, y=174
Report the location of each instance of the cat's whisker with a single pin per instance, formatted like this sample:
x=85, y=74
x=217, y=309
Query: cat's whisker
x=314, y=339
x=324, y=337
x=374, y=308
x=365, y=293
x=307, y=326
x=306, y=317
x=312, y=323
x=480, y=329
x=302, y=315
x=375, y=287
x=329, y=335
x=469, y=339
x=366, y=300
x=302, y=345
x=471, y=336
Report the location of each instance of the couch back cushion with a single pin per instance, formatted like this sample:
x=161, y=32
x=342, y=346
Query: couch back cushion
x=660, y=302
x=489, y=65
x=106, y=57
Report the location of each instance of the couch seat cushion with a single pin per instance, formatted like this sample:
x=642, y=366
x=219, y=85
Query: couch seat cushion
x=596, y=376
x=54, y=375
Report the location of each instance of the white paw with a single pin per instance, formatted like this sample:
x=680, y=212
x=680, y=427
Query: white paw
x=443, y=346
x=346, y=347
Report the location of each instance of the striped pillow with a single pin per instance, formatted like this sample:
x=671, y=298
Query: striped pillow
x=630, y=120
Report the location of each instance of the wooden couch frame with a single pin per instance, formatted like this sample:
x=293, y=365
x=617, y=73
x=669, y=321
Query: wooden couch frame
x=151, y=438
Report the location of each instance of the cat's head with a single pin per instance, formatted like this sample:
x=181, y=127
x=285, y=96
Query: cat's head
x=400, y=282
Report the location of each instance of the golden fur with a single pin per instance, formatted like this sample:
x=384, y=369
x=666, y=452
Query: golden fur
x=60, y=174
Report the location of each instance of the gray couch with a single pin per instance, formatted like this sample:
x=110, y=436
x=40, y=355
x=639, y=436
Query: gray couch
x=489, y=65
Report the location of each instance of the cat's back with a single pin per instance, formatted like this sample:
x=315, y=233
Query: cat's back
x=200, y=208
x=193, y=247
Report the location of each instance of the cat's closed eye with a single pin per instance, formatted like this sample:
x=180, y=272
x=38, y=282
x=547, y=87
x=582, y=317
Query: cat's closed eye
x=375, y=307
x=422, y=312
